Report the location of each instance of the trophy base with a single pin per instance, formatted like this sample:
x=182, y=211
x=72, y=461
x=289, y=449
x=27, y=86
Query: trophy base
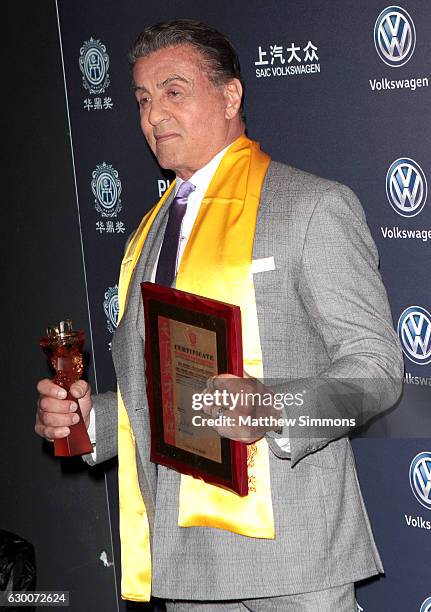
x=76, y=443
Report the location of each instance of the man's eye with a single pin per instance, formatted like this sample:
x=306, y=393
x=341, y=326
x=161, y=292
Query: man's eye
x=143, y=102
x=174, y=93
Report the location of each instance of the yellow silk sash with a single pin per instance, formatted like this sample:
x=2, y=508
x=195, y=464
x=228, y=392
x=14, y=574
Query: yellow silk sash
x=134, y=527
x=217, y=264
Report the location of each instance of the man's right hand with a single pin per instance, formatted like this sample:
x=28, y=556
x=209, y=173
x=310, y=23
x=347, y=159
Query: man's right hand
x=55, y=414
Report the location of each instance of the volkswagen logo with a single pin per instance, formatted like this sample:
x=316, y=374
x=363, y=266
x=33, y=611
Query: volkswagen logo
x=414, y=331
x=420, y=478
x=426, y=606
x=406, y=187
x=394, y=36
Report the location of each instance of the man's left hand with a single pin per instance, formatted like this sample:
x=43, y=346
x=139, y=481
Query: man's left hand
x=245, y=406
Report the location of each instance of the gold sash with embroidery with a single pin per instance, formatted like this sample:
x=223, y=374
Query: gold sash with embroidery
x=216, y=264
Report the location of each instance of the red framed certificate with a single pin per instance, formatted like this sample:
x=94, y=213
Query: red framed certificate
x=188, y=339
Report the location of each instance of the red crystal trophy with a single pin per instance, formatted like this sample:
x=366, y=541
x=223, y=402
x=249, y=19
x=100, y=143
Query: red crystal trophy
x=63, y=346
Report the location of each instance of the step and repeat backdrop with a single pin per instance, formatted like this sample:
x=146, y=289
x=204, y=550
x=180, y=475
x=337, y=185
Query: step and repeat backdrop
x=341, y=89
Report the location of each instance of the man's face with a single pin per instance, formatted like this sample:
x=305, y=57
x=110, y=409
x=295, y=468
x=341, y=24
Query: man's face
x=184, y=117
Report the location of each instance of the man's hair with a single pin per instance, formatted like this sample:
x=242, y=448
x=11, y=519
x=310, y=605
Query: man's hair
x=219, y=59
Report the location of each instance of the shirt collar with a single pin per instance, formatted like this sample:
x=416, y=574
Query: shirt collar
x=202, y=177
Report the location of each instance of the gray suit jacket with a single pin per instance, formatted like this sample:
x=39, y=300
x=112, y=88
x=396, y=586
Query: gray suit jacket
x=323, y=314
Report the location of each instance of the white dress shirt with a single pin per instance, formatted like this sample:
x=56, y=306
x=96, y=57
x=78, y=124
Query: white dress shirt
x=201, y=180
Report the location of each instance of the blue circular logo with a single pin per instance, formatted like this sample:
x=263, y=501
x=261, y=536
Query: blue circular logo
x=106, y=190
x=94, y=66
x=406, y=187
x=426, y=606
x=394, y=36
x=420, y=478
x=414, y=331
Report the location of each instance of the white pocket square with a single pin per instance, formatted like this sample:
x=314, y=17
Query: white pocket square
x=265, y=264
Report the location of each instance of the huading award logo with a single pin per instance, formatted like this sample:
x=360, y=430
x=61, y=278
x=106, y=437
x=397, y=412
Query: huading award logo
x=414, y=331
x=94, y=64
x=394, y=36
x=406, y=187
x=106, y=187
x=111, y=308
x=426, y=606
x=420, y=478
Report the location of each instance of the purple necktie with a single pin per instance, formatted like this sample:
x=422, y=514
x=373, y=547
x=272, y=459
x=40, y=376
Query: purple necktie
x=167, y=264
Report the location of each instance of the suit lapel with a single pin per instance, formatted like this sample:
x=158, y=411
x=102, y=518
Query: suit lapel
x=128, y=353
x=269, y=189
x=143, y=270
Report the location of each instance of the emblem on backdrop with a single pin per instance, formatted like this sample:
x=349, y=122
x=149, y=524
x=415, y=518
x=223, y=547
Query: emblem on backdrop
x=414, y=331
x=111, y=308
x=420, y=478
x=94, y=64
x=426, y=606
x=394, y=36
x=406, y=187
x=106, y=187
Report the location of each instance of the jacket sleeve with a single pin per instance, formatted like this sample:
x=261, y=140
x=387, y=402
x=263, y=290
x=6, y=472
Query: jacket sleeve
x=342, y=292
x=106, y=412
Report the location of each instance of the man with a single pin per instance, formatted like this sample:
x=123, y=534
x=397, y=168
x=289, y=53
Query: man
x=314, y=309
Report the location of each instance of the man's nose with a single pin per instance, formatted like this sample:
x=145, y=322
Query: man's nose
x=158, y=113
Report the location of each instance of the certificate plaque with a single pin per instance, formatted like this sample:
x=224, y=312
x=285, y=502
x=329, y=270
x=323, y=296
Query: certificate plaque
x=189, y=339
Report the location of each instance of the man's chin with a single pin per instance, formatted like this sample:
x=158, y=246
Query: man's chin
x=165, y=163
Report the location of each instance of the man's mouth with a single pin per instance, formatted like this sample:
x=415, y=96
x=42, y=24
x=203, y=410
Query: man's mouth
x=160, y=138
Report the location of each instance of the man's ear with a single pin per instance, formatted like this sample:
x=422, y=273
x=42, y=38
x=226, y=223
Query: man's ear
x=233, y=96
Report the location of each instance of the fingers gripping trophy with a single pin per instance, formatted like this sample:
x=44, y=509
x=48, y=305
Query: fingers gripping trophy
x=63, y=347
